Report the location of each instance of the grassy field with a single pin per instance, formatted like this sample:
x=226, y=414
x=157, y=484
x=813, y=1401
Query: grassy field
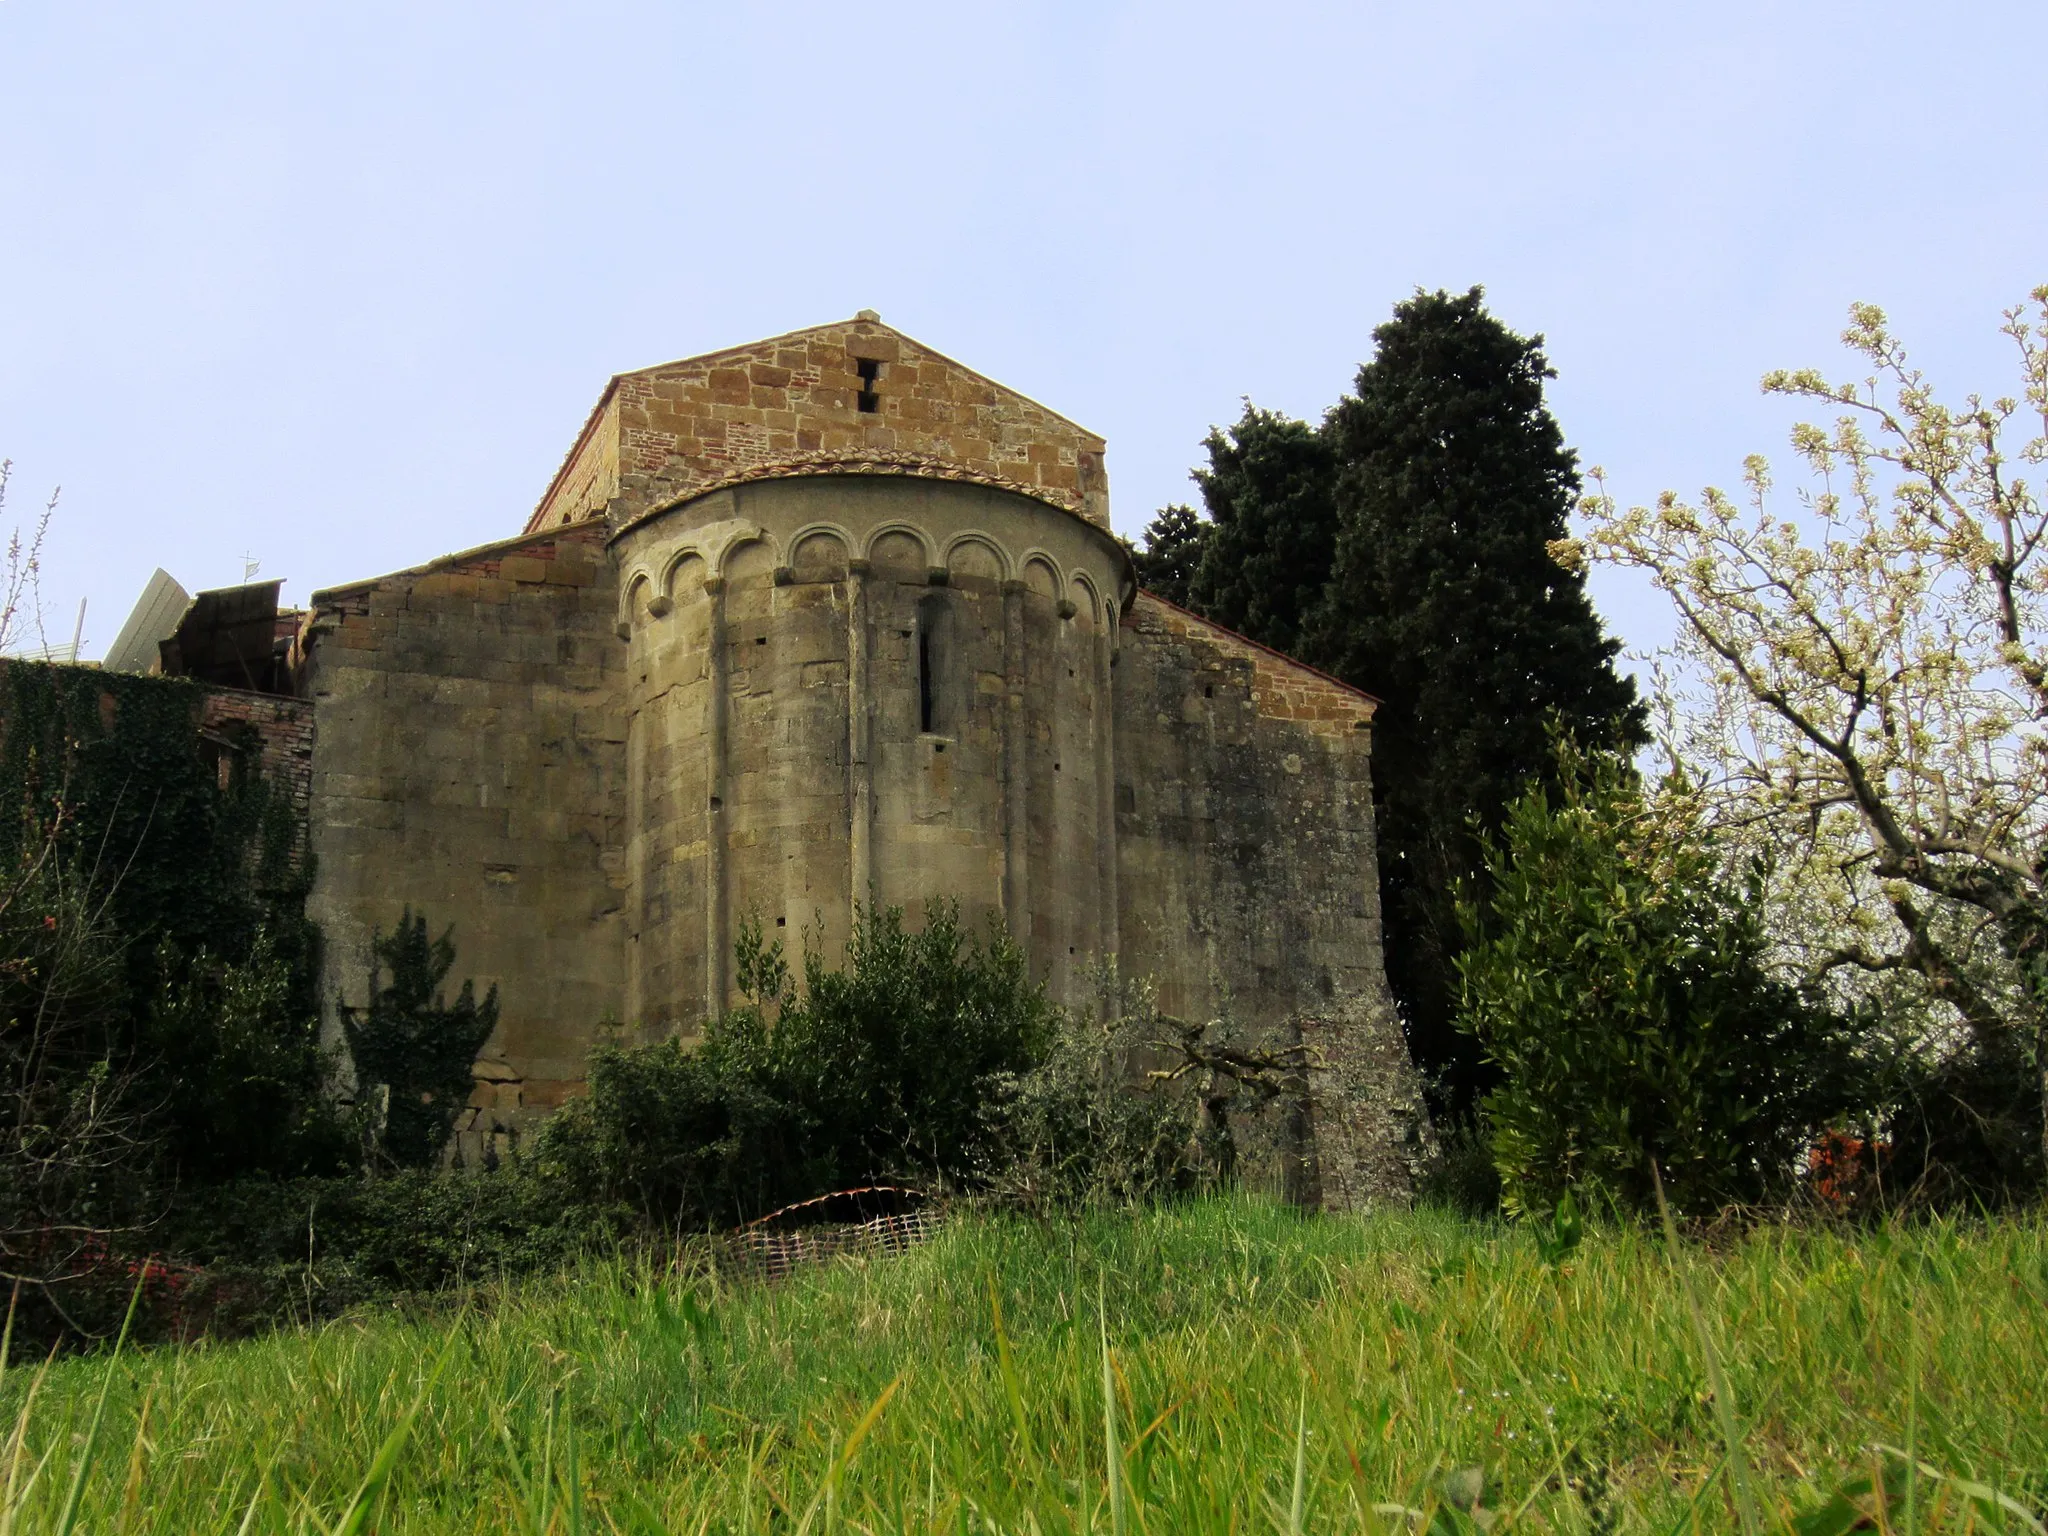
x=1223, y=1367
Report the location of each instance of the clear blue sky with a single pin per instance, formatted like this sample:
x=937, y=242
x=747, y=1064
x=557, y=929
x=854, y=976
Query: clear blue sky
x=334, y=285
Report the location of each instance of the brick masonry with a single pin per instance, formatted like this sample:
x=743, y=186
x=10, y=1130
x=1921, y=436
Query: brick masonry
x=284, y=729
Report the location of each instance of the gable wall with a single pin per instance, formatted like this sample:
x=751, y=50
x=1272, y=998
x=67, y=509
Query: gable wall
x=590, y=476
x=687, y=425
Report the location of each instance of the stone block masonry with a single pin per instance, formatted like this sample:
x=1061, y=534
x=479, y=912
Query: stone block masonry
x=470, y=765
x=1250, y=887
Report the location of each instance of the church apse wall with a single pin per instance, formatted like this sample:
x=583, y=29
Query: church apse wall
x=909, y=701
x=830, y=620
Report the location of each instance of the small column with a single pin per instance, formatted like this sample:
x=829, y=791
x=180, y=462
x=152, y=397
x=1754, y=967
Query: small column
x=717, y=938
x=1016, y=833
x=1105, y=781
x=860, y=771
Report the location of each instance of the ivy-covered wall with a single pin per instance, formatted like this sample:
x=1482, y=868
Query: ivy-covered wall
x=161, y=796
x=182, y=808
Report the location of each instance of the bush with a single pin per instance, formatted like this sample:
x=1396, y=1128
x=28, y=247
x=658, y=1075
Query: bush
x=878, y=1070
x=409, y=1231
x=231, y=1259
x=1620, y=985
x=1462, y=1178
x=679, y=1137
x=1087, y=1127
x=74, y=1153
x=255, y=1088
x=1961, y=1128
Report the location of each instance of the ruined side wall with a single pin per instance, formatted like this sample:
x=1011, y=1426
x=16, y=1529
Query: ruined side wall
x=471, y=763
x=284, y=733
x=1249, y=881
x=681, y=427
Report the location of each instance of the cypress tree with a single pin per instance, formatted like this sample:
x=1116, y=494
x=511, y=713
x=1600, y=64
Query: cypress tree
x=1402, y=546
x=1443, y=600
x=1173, y=549
x=1272, y=529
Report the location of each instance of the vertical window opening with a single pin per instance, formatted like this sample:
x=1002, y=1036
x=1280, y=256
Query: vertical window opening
x=932, y=706
x=870, y=371
x=924, y=678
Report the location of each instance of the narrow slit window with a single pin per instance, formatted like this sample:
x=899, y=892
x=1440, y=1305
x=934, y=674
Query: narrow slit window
x=924, y=678
x=934, y=700
x=870, y=372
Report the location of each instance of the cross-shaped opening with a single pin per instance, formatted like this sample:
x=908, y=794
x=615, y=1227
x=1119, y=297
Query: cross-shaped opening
x=870, y=371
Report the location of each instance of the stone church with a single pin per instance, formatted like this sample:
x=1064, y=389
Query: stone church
x=831, y=619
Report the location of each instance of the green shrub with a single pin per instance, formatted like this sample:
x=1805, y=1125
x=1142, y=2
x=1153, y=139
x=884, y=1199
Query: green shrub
x=1961, y=1127
x=1086, y=1126
x=73, y=1145
x=1461, y=1178
x=1621, y=987
x=879, y=1069
x=679, y=1136
x=405, y=1231
x=252, y=1253
x=255, y=1085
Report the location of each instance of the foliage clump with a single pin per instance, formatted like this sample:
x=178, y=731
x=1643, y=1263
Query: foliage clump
x=1620, y=982
x=69, y=1127
x=1089, y=1125
x=168, y=858
x=930, y=1057
x=876, y=1070
x=1861, y=680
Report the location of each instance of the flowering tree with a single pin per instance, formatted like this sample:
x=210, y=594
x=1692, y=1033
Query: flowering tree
x=1869, y=677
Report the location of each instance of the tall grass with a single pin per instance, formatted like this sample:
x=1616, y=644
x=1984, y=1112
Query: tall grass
x=1228, y=1366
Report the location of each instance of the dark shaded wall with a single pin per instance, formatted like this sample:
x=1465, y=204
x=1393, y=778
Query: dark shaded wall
x=1249, y=885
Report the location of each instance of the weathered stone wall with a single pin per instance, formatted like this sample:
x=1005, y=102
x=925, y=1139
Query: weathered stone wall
x=863, y=688
x=1249, y=881
x=664, y=433
x=471, y=764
